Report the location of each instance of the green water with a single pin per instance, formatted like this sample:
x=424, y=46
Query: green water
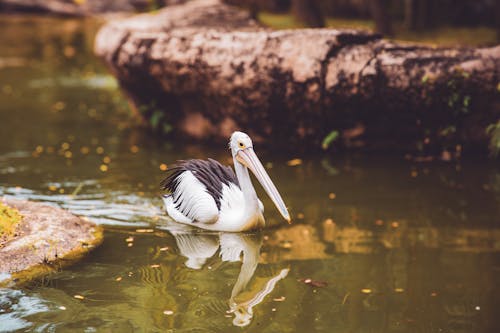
x=378, y=244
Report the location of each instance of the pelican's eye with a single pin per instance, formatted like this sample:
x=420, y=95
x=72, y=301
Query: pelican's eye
x=241, y=144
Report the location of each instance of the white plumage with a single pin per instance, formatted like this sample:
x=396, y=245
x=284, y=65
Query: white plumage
x=209, y=195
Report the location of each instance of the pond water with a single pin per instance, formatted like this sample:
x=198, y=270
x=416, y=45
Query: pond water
x=378, y=243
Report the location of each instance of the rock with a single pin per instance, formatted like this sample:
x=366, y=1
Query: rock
x=45, y=235
x=206, y=68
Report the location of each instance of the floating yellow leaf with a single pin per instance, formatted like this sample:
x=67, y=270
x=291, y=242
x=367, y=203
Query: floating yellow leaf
x=168, y=312
x=118, y=279
x=59, y=106
x=78, y=297
x=366, y=291
x=294, y=162
x=329, y=222
x=155, y=266
x=144, y=230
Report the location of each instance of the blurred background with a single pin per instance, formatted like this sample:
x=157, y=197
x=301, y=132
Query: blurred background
x=382, y=240
x=443, y=22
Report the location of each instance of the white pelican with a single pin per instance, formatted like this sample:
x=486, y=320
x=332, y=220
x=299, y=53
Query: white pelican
x=208, y=195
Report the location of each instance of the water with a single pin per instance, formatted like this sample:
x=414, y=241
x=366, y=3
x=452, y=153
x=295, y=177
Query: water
x=378, y=244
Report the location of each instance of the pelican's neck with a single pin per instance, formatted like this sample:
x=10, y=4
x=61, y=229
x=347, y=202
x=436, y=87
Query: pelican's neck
x=246, y=185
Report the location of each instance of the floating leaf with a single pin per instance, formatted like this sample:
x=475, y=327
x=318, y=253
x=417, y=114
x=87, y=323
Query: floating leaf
x=314, y=283
x=144, y=230
x=294, y=162
x=329, y=139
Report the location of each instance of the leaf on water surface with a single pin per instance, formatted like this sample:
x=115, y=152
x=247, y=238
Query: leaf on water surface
x=329, y=139
x=144, y=230
x=77, y=189
x=314, y=283
x=294, y=162
x=354, y=132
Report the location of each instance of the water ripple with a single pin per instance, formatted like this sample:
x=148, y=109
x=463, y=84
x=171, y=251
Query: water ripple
x=111, y=208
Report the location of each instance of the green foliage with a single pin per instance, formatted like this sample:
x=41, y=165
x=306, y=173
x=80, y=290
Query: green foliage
x=493, y=130
x=329, y=139
x=157, y=117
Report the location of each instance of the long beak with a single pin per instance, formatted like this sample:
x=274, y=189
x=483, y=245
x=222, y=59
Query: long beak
x=248, y=158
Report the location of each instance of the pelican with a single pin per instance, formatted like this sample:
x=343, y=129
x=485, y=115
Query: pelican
x=208, y=195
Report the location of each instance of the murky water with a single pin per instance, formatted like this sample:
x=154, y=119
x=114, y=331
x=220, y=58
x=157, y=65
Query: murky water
x=378, y=244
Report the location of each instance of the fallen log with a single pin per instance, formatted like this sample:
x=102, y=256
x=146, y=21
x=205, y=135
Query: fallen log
x=203, y=69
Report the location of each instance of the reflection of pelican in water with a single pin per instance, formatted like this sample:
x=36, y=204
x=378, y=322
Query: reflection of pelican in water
x=199, y=247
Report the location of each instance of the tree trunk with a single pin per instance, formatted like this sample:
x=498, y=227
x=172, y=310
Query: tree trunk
x=308, y=12
x=207, y=69
x=380, y=15
x=424, y=14
x=410, y=14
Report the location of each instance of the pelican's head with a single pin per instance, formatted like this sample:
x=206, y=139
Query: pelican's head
x=239, y=141
x=242, y=150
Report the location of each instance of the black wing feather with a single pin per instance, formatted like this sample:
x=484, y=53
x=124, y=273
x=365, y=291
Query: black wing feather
x=209, y=172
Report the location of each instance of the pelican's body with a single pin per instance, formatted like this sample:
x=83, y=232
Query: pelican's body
x=211, y=196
